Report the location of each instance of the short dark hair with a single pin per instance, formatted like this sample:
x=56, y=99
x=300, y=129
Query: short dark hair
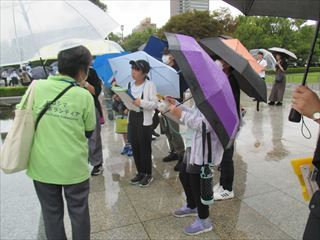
x=71, y=60
x=261, y=53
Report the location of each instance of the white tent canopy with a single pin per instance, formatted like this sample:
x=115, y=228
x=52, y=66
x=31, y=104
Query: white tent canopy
x=29, y=26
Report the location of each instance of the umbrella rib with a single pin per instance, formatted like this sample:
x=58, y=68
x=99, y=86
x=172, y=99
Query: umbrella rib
x=83, y=17
x=15, y=30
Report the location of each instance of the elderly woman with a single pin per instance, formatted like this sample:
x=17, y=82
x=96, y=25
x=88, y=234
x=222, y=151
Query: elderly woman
x=140, y=123
x=59, y=155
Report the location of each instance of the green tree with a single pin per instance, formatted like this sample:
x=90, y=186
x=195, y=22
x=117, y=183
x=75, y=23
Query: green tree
x=99, y=4
x=201, y=24
x=267, y=32
x=114, y=37
x=136, y=39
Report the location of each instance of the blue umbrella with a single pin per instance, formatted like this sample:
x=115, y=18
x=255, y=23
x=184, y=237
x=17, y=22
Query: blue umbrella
x=103, y=68
x=164, y=77
x=155, y=46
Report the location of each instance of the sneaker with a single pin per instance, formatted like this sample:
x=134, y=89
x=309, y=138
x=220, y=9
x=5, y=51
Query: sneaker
x=185, y=212
x=217, y=188
x=97, y=170
x=171, y=157
x=271, y=103
x=129, y=152
x=125, y=150
x=223, y=195
x=178, y=166
x=198, y=226
x=146, y=180
x=279, y=104
x=137, y=179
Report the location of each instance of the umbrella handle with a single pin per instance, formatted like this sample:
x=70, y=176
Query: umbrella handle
x=294, y=116
x=178, y=105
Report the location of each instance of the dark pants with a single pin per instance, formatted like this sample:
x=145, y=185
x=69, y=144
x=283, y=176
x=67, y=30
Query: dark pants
x=140, y=139
x=227, y=169
x=175, y=140
x=312, y=230
x=155, y=119
x=191, y=185
x=95, y=144
x=51, y=200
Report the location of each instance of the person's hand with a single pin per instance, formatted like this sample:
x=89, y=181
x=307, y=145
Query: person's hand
x=305, y=101
x=176, y=111
x=126, y=111
x=170, y=100
x=137, y=102
x=82, y=83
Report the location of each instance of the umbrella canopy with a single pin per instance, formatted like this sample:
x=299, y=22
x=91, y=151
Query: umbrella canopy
x=209, y=86
x=28, y=26
x=304, y=9
x=102, y=66
x=96, y=47
x=268, y=56
x=155, y=46
x=283, y=51
x=39, y=73
x=164, y=77
x=246, y=68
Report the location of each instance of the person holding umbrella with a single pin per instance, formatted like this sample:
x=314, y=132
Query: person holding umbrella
x=279, y=84
x=140, y=123
x=307, y=103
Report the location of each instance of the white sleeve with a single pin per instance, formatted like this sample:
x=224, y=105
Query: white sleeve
x=152, y=95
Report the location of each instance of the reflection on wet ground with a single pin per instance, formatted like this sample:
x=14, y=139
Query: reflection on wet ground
x=268, y=202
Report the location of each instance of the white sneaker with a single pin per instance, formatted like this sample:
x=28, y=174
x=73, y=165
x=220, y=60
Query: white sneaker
x=223, y=195
x=217, y=188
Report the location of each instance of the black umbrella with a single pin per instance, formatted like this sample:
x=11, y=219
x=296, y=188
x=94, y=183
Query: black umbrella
x=39, y=72
x=247, y=78
x=304, y=9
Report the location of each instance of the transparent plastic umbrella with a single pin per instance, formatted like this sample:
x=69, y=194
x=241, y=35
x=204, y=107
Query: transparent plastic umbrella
x=271, y=61
x=26, y=27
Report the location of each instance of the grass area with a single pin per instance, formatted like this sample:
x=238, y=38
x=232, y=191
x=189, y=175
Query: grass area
x=12, y=91
x=297, y=78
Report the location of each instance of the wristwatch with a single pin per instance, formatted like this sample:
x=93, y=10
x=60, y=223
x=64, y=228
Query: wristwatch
x=316, y=116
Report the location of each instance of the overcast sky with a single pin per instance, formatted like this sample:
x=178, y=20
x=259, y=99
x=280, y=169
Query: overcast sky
x=130, y=12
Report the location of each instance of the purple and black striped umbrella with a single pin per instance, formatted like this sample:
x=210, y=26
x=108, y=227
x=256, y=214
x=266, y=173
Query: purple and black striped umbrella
x=209, y=86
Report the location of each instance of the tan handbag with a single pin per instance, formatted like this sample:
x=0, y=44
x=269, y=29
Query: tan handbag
x=17, y=145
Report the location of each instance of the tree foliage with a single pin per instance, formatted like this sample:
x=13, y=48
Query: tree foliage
x=99, y=4
x=201, y=24
x=136, y=39
x=114, y=37
x=267, y=32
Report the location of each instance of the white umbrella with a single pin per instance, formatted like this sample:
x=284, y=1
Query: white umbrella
x=164, y=77
x=284, y=51
x=96, y=47
x=28, y=26
x=271, y=61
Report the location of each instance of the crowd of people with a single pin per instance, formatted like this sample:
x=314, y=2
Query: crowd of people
x=78, y=116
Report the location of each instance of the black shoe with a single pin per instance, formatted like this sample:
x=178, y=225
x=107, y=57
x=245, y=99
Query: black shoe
x=171, y=157
x=97, y=170
x=178, y=166
x=154, y=133
x=271, y=103
x=279, y=104
x=137, y=178
x=146, y=180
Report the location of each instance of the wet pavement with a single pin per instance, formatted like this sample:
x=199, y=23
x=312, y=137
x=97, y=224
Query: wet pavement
x=268, y=202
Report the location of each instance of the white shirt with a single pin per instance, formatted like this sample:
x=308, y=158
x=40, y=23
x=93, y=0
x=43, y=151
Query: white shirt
x=262, y=63
x=136, y=91
x=149, y=101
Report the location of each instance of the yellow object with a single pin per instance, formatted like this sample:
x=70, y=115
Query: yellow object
x=121, y=125
x=297, y=165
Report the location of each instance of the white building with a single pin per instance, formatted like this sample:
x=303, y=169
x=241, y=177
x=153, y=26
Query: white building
x=182, y=6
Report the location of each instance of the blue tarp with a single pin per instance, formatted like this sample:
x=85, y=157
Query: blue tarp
x=102, y=66
x=155, y=46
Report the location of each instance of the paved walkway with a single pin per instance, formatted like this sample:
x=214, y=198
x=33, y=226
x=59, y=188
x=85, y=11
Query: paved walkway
x=268, y=202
